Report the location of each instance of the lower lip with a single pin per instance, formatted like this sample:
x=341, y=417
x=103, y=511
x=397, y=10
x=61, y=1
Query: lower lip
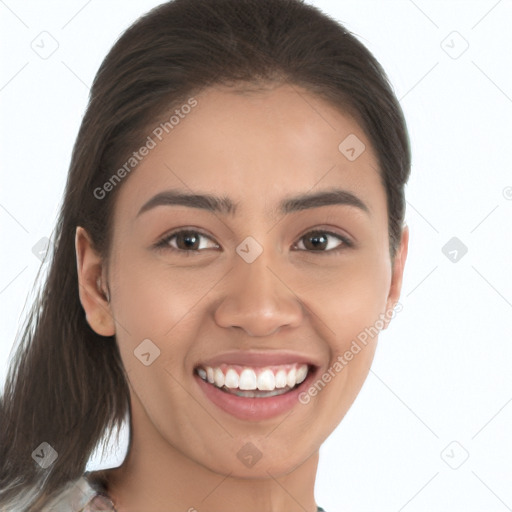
x=255, y=409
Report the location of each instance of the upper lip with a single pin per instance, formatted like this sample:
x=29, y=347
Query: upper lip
x=259, y=358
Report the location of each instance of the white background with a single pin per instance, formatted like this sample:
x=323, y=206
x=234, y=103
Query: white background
x=442, y=371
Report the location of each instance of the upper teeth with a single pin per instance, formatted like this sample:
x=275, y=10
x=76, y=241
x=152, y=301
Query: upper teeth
x=245, y=378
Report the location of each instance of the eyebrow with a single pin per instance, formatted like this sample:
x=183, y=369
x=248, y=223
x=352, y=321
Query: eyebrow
x=225, y=205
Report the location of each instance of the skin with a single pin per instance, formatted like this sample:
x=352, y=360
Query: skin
x=256, y=148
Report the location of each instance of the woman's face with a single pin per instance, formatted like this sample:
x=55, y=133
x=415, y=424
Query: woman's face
x=295, y=281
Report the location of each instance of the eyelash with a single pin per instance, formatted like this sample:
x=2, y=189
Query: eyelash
x=163, y=244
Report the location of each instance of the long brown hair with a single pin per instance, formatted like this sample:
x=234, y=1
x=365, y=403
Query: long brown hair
x=66, y=385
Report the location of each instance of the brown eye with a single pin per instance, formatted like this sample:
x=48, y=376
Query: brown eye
x=186, y=241
x=319, y=241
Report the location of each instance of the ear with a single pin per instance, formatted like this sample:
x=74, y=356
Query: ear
x=398, y=272
x=91, y=285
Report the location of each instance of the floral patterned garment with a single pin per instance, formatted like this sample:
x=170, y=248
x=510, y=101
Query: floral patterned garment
x=82, y=495
x=86, y=495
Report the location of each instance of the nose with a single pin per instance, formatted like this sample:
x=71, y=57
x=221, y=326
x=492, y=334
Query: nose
x=258, y=300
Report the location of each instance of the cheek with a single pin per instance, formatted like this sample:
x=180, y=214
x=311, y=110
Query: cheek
x=349, y=298
x=153, y=297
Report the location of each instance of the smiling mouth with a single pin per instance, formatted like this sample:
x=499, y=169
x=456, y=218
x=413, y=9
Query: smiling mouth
x=255, y=382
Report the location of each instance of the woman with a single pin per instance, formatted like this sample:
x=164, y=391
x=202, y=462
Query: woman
x=230, y=243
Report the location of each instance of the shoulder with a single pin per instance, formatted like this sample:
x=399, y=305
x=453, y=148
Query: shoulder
x=82, y=495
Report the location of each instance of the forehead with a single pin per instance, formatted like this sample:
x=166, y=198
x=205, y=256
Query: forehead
x=255, y=147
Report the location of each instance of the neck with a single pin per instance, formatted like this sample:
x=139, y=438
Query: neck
x=156, y=475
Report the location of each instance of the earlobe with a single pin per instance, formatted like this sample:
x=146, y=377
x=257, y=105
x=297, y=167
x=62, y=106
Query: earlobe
x=94, y=297
x=397, y=276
